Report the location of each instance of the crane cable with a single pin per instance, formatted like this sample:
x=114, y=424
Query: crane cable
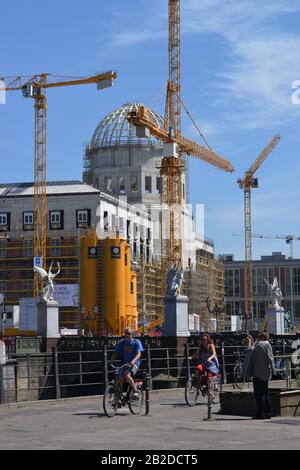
x=193, y=121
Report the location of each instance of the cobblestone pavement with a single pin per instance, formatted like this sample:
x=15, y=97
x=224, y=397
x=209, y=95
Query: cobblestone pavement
x=80, y=423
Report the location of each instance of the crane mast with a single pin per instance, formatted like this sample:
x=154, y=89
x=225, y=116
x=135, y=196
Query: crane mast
x=175, y=145
x=248, y=254
x=173, y=106
x=246, y=184
x=34, y=87
x=40, y=185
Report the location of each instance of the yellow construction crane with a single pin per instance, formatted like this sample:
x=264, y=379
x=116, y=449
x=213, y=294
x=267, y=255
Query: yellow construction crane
x=289, y=239
x=175, y=145
x=34, y=87
x=246, y=184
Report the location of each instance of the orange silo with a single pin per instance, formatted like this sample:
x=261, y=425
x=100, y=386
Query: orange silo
x=89, y=279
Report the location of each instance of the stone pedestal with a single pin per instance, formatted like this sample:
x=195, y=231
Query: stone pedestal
x=275, y=319
x=47, y=319
x=176, y=316
x=3, y=356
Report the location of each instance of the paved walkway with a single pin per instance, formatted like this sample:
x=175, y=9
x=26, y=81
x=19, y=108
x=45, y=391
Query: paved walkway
x=81, y=424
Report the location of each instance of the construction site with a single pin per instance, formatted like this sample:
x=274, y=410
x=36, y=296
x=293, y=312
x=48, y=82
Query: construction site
x=116, y=234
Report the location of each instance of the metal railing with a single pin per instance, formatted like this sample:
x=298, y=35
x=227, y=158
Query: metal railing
x=65, y=373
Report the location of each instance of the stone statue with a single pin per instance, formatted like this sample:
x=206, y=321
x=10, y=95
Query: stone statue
x=275, y=293
x=174, y=281
x=287, y=322
x=48, y=290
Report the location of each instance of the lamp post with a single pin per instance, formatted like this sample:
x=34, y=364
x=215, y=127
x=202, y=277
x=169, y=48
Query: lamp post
x=82, y=312
x=216, y=309
x=3, y=315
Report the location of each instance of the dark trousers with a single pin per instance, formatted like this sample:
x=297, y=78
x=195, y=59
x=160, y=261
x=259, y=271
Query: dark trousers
x=261, y=394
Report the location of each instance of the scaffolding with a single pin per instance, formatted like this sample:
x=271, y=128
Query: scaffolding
x=16, y=268
x=205, y=283
x=150, y=292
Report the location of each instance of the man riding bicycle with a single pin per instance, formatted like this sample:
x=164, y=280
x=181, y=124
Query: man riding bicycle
x=129, y=349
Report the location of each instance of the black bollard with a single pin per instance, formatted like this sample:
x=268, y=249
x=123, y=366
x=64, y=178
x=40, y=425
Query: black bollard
x=147, y=393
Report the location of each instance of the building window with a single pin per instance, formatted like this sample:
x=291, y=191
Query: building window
x=293, y=281
x=3, y=218
x=108, y=184
x=236, y=282
x=135, y=231
x=148, y=254
x=83, y=218
x=121, y=224
x=28, y=221
x=229, y=283
x=105, y=221
x=133, y=183
x=56, y=219
x=128, y=229
x=122, y=185
x=148, y=184
x=4, y=221
x=96, y=182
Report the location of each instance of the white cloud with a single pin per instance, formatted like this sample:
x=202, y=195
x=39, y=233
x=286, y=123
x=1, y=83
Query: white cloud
x=265, y=58
x=133, y=38
x=254, y=88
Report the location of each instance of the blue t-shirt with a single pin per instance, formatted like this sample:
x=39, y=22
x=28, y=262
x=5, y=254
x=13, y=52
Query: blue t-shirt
x=129, y=349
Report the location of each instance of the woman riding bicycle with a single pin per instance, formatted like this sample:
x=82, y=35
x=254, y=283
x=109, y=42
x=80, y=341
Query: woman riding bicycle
x=207, y=356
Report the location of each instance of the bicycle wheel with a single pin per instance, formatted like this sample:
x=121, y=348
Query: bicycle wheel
x=238, y=376
x=110, y=401
x=214, y=390
x=135, y=404
x=191, y=392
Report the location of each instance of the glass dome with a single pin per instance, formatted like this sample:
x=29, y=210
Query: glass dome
x=115, y=130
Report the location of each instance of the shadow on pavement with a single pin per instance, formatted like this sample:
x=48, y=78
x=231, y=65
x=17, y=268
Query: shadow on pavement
x=182, y=405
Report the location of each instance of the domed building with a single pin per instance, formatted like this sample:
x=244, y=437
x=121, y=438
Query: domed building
x=120, y=163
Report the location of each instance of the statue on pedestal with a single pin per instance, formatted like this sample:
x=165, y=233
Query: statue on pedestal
x=287, y=322
x=174, y=281
x=48, y=290
x=275, y=293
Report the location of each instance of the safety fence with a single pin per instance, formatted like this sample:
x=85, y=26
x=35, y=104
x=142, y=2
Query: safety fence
x=70, y=373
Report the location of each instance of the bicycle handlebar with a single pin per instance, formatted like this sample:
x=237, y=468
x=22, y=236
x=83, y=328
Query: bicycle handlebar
x=118, y=367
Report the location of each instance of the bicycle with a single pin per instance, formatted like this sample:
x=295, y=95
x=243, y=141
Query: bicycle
x=115, y=398
x=238, y=370
x=201, y=387
x=281, y=367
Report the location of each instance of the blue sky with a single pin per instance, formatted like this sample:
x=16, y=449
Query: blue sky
x=239, y=59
